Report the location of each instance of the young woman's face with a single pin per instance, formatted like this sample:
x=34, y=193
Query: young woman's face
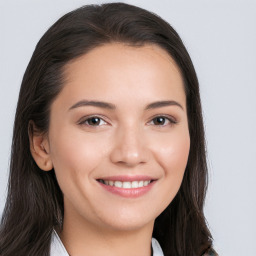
x=118, y=136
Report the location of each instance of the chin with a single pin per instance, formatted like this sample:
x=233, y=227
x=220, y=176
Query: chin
x=127, y=226
x=127, y=220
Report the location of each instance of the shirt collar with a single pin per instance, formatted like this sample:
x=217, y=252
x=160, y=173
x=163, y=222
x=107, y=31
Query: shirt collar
x=58, y=249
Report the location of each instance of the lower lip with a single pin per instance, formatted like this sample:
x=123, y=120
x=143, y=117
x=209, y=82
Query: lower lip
x=128, y=192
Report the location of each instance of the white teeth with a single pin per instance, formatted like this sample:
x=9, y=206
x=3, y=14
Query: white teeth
x=126, y=184
x=118, y=184
x=135, y=184
x=146, y=182
x=141, y=183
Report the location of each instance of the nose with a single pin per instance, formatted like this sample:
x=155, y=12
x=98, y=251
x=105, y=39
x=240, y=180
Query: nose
x=130, y=148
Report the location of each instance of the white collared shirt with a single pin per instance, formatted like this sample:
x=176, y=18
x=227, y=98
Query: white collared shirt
x=58, y=249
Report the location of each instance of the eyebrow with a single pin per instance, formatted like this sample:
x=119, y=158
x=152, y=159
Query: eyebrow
x=106, y=105
x=160, y=104
x=99, y=104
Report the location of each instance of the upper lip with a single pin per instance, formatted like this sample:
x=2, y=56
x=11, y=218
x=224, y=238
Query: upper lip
x=127, y=178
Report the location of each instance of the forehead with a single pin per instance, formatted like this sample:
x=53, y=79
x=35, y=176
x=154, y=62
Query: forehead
x=117, y=53
x=116, y=70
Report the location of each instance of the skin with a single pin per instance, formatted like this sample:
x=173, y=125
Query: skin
x=128, y=141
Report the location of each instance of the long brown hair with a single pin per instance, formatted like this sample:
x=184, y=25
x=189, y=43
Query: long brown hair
x=34, y=205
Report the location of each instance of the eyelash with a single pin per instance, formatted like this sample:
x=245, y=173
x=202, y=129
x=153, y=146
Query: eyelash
x=169, y=119
x=85, y=121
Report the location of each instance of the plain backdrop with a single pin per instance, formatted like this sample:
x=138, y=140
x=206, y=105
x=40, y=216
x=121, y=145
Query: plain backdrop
x=221, y=39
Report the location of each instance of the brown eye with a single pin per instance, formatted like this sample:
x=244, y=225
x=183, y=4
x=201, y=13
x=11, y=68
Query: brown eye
x=159, y=120
x=162, y=121
x=93, y=121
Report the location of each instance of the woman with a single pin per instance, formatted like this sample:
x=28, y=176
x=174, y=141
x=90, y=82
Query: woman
x=108, y=146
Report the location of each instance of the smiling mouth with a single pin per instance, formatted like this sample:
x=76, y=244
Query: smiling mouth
x=126, y=184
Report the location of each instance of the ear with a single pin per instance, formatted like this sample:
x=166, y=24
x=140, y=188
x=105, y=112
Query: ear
x=39, y=147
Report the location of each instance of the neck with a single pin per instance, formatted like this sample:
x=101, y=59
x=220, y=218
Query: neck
x=83, y=238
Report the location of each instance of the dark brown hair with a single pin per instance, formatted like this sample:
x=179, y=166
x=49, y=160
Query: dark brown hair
x=34, y=205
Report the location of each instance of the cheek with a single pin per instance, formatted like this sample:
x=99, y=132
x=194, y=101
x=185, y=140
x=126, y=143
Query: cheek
x=172, y=150
x=175, y=156
x=75, y=155
x=172, y=156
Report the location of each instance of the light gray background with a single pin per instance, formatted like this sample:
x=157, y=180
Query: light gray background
x=221, y=38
